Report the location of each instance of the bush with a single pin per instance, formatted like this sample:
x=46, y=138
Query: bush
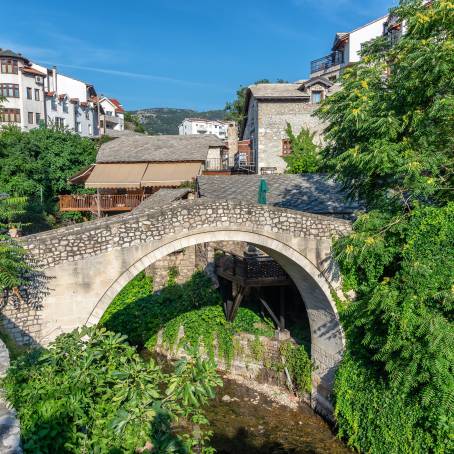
x=195, y=305
x=91, y=392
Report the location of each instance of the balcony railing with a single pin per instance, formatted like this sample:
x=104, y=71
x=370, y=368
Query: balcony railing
x=219, y=164
x=326, y=62
x=111, y=119
x=101, y=203
x=249, y=270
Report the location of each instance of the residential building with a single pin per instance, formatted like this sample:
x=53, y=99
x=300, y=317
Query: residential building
x=23, y=88
x=130, y=168
x=346, y=49
x=38, y=95
x=269, y=108
x=113, y=117
x=191, y=126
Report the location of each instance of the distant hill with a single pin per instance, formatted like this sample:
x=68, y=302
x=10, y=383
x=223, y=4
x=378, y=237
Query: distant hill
x=161, y=120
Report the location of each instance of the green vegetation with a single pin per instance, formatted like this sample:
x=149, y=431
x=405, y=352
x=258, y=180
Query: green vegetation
x=196, y=306
x=13, y=266
x=390, y=143
x=37, y=165
x=166, y=121
x=133, y=122
x=305, y=156
x=298, y=364
x=91, y=392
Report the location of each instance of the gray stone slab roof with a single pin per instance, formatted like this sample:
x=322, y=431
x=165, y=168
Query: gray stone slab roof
x=143, y=148
x=278, y=91
x=312, y=193
x=162, y=197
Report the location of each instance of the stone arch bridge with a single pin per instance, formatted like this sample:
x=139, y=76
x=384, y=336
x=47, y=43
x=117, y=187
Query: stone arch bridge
x=86, y=265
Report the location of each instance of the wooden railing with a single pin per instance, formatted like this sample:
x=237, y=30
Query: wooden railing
x=248, y=269
x=103, y=202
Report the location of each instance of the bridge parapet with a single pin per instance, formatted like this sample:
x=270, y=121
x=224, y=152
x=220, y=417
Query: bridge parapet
x=76, y=242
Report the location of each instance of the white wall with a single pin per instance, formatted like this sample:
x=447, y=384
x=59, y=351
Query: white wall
x=363, y=35
x=195, y=126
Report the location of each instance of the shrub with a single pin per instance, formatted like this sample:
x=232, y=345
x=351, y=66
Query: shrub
x=91, y=392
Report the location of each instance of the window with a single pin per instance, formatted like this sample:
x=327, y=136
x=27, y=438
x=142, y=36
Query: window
x=87, y=114
x=286, y=147
x=109, y=113
x=316, y=97
x=30, y=118
x=9, y=90
x=65, y=107
x=59, y=122
x=10, y=115
x=36, y=94
x=78, y=126
x=90, y=129
x=9, y=66
x=29, y=93
x=38, y=118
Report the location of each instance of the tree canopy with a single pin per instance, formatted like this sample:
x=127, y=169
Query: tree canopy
x=305, y=155
x=390, y=142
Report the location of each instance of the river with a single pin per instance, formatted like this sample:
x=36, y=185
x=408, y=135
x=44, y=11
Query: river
x=245, y=421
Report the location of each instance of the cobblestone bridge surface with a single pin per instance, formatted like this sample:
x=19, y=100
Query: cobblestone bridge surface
x=92, y=238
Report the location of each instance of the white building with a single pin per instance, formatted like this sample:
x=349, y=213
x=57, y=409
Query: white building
x=38, y=95
x=346, y=49
x=191, y=126
x=113, y=117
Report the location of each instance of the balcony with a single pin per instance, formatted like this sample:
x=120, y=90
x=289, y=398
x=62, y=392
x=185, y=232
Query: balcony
x=111, y=119
x=250, y=271
x=219, y=164
x=328, y=61
x=100, y=203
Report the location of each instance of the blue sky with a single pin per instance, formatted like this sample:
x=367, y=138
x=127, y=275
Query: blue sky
x=176, y=53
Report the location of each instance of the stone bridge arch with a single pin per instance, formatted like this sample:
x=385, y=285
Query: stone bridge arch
x=87, y=265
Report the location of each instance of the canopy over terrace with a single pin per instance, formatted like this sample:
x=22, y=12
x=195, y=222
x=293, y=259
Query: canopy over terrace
x=142, y=175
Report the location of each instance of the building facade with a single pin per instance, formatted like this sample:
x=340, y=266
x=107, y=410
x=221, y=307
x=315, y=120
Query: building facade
x=191, y=126
x=113, y=116
x=36, y=95
x=269, y=108
x=346, y=49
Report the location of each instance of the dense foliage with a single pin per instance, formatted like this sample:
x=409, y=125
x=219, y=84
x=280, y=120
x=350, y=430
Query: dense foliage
x=38, y=163
x=305, y=156
x=91, y=392
x=298, y=363
x=391, y=141
x=196, y=306
x=13, y=266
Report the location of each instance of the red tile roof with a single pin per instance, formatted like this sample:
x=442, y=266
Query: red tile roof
x=30, y=70
x=118, y=106
x=74, y=100
x=50, y=93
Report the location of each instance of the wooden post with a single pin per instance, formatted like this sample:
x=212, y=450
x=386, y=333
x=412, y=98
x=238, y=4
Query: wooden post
x=98, y=203
x=282, y=308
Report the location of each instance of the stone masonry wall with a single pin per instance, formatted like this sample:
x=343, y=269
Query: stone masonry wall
x=273, y=118
x=183, y=261
x=93, y=238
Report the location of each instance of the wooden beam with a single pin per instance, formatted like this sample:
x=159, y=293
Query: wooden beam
x=268, y=308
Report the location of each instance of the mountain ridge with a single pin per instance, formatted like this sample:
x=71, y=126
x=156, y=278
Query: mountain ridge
x=165, y=120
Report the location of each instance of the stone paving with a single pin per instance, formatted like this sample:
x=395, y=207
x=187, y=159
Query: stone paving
x=9, y=425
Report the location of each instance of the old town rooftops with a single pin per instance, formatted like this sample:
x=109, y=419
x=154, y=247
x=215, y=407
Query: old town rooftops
x=171, y=148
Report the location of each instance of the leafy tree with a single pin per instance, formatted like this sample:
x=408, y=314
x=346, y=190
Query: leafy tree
x=12, y=261
x=91, y=392
x=134, y=120
x=37, y=164
x=390, y=142
x=305, y=157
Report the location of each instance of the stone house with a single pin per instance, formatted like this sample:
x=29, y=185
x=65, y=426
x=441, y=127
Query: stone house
x=269, y=107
